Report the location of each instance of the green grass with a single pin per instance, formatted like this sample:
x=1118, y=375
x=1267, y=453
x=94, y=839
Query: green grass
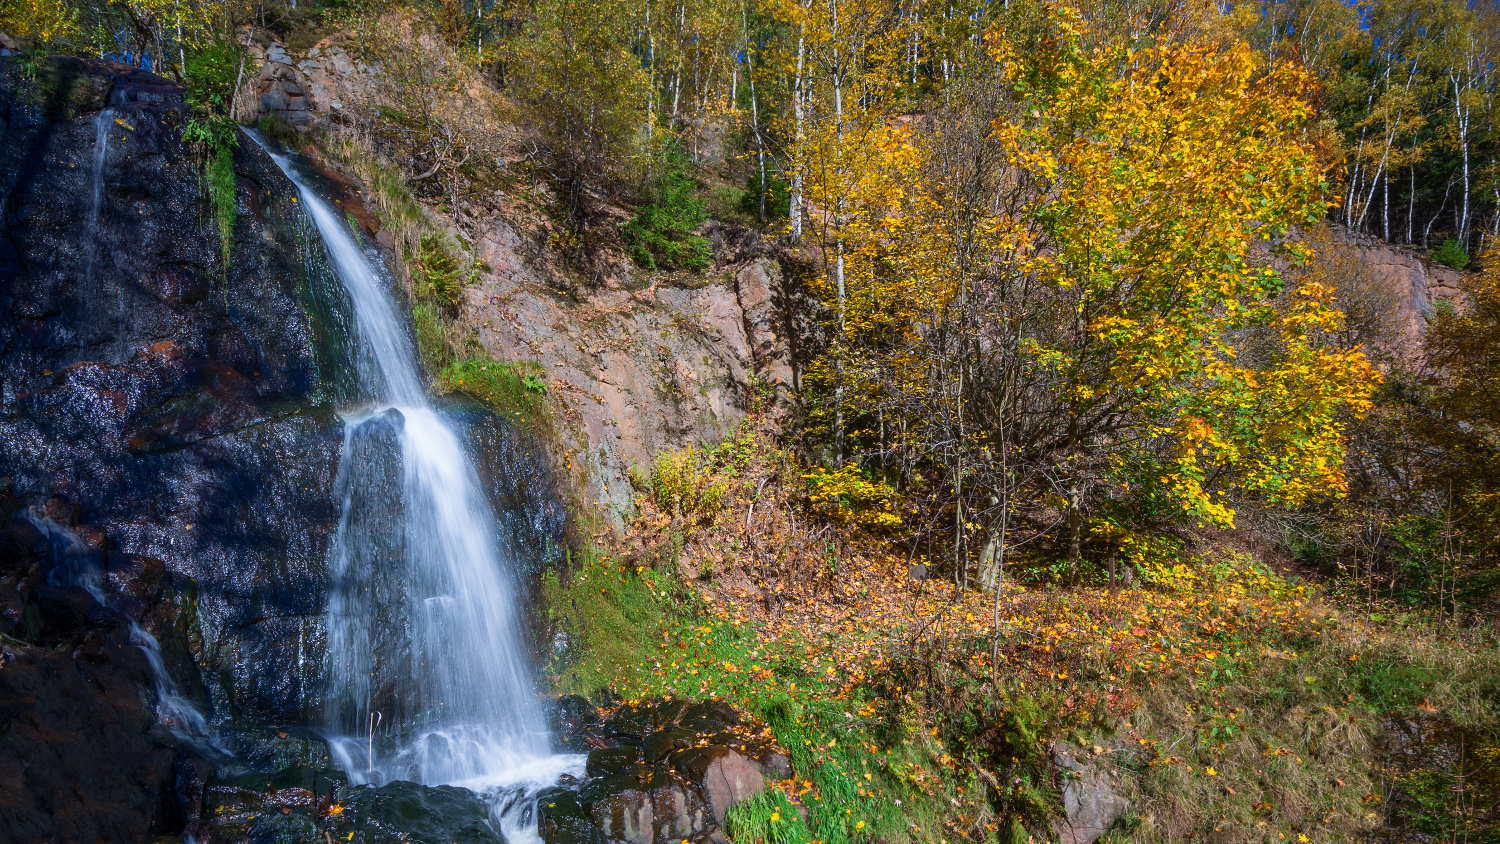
x=218, y=178
x=637, y=632
x=516, y=391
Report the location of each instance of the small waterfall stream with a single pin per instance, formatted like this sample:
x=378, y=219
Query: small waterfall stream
x=72, y=566
x=469, y=714
x=101, y=150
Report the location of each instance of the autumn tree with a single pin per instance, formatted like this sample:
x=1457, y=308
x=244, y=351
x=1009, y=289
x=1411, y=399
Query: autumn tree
x=585, y=92
x=1065, y=303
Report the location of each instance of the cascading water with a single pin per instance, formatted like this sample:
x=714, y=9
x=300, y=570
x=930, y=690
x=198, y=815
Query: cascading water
x=101, y=150
x=102, y=127
x=73, y=567
x=469, y=715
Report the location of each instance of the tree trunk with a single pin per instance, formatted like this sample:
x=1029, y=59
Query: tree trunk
x=795, y=206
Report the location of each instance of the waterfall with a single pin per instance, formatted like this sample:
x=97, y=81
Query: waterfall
x=468, y=712
x=72, y=566
x=101, y=149
x=102, y=122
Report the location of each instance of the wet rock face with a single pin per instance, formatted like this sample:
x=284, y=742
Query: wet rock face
x=81, y=757
x=154, y=397
x=658, y=772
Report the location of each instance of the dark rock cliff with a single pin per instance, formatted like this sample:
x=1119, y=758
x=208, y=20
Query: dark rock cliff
x=174, y=417
x=168, y=412
x=149, y=395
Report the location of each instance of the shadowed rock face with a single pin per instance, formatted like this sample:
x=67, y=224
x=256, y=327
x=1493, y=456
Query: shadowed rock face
x=80, y=759
x=148, y=393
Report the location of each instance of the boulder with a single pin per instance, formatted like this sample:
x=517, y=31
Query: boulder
x=662, y=743
x=413, y=814
x=621, y=809
x=561, y=819
x=681, y=813
x=613, y=761
x=1091, y=802
x=730, y=779
x=80, y=760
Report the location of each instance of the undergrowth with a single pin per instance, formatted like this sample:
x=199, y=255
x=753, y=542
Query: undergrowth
x=1225, y=702
x=639, y=633
x=660, y=234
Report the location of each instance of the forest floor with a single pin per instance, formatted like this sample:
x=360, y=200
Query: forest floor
x=1221, y=700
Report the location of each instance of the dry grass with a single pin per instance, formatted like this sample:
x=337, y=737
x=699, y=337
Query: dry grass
x=1238, y=706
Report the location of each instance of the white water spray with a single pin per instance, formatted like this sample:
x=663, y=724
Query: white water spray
x=470, y=715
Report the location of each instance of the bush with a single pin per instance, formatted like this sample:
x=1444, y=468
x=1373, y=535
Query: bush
x=685, y=485
x=777, y=195
x=210, y=75
x=847, y=496
x=660, y=235
x=1451, y=254
x=440, y=270
x=215, y=138
x=41, y=21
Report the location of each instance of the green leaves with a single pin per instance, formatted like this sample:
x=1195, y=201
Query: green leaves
x=660, y=235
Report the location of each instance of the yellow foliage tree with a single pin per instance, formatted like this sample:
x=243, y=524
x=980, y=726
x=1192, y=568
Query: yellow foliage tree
x=42, y=21
x=1066, y=295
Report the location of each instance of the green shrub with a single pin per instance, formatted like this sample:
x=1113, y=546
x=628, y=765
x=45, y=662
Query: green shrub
x=684, y=484
x=440, y=270
x=778, y=194
x=660, y=235
x=1451, y=254
x=276, y=129
x=210, y=74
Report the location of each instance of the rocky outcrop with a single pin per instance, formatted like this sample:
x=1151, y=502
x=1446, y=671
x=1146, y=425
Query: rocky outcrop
x=1091, y=797
x=659, y=772
x=180, y=408
x=1390, y=277
x=322, y=84
x=174, y=414
x=640, y=369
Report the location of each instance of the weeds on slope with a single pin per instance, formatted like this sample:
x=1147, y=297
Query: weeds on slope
x=1224, y=701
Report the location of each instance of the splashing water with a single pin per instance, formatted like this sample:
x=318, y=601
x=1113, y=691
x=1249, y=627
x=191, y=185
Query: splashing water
x=468, y=713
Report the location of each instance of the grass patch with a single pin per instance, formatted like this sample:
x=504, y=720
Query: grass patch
x=608, y=619
x=639, y=632
x=516, y=391
x=218, y=178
